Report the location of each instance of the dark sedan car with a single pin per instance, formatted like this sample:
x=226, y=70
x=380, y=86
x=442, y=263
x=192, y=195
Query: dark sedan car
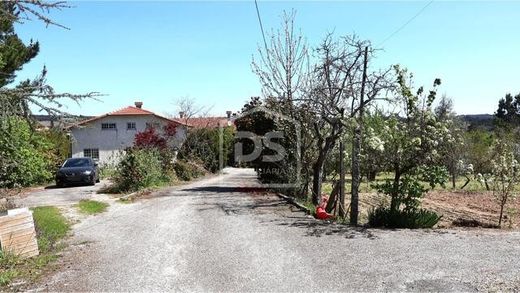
x=77, y=171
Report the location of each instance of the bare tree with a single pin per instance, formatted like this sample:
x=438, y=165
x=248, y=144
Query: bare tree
x=283, y=70
x=284, y=62
x=187, y=108
x=322, y=97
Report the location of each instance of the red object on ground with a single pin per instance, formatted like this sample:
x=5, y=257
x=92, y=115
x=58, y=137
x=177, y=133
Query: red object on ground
x=322, y=214
x=320, y=210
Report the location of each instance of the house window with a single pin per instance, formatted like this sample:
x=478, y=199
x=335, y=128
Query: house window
x=107, y=126
x=130, y=126
x=91, y=153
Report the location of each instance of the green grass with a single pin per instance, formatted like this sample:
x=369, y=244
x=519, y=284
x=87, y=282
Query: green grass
x=7, y=275
x=91, y=207
x=368, y=187
x=51, y=226
x=309, y=205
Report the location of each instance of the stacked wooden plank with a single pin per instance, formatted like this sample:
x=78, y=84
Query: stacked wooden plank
x=17, y=233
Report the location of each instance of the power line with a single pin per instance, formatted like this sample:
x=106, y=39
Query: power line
x=261, y=26
x=405, y=24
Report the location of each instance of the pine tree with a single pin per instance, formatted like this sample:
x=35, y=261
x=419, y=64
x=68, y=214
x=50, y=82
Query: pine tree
x=13, y=52
x=508, y=112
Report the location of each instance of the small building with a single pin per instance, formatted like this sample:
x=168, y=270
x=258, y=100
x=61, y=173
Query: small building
x=104, y=137
x=208, y=122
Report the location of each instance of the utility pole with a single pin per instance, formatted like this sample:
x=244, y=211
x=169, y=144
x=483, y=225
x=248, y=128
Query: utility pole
x=356, y=150
x=342, y=212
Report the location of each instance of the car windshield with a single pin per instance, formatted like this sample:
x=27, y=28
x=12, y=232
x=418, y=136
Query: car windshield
x=77, y=163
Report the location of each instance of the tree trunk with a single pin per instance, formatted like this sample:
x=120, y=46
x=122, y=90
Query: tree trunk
x=466, y=183
x=356, y=176
x=502, y=204
x=341, y=184
x=371, y=176
x=333, y=198
x=394, y=202
x=317, y=170
x=356, y=150
x=453, y=180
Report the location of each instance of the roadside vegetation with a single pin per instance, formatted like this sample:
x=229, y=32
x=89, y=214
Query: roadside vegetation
x=398, y=143
x=27, y=157
x=51, y=228
x=92, y=207
x=153, y=161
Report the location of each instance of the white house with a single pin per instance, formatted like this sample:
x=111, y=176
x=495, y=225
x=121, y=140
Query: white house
x=104, y=137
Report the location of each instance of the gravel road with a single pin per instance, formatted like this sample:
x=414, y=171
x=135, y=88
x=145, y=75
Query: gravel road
x=211, y=236
x=52, y=195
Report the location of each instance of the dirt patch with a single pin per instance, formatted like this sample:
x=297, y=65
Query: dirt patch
x=458, y=208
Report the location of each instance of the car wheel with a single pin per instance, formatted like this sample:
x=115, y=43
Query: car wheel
x=93, y=181
x=98, y=180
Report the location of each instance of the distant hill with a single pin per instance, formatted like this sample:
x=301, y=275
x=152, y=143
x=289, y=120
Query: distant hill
x=475, y=121
x=48, y=121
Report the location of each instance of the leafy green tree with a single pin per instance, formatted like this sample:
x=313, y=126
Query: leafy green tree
x=508, y=112
x=25, y=156
x=372, y=156
x=451, y=149
x=13, y=51
x=16, y=99
x=478, y=152
x=505, y=175
x=204, y=145
x=410, y=143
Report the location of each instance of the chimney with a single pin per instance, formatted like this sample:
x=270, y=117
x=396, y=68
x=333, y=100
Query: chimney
x=228, y=114
x=139, y=104
x=181, y=114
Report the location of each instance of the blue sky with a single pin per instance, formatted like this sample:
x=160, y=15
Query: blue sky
x=159, y=51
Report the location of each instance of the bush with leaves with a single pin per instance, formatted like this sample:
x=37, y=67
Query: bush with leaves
x=25, y=156
x=406, y=212
x=410, y=152
x=505, y=175
x=139, y=168
x=187, y=171
x=420, y=218
x=205, y=145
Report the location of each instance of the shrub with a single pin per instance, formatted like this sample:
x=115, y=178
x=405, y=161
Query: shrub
x=26, y=157
x=204, y=145
x=404, y=210
x=149, y=139
x=107, y=171
x=412, y=219
x=139, y=168
x=186, y=171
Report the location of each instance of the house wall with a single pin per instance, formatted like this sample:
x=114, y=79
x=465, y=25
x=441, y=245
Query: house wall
x=111, y=142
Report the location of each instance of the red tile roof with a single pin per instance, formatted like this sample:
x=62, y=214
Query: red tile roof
x=207, y=122
x=128, y=111
x=131, y=111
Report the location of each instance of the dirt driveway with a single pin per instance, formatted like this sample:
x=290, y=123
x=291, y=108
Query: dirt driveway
x=217, y=235
x=51, y=195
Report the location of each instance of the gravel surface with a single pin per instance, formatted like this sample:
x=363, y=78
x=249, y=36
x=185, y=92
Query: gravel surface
x=212, y=236
x=52, y=195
